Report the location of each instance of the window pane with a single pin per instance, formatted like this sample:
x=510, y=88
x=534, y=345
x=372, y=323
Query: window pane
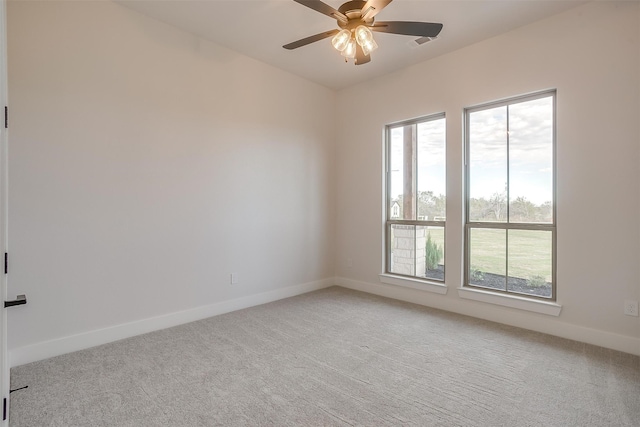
x=433, y=251
x=488, y=165
x=487, y=258
x=431, y=162
x=396, y=175
x=403, y=249
x=531, y=161
x=530, y=262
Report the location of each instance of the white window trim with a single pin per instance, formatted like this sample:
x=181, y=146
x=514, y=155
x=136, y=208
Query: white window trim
x=408, y=282
x=511, y=300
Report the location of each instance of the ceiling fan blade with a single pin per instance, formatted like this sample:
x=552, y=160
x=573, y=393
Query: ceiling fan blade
x=323, y=8
x=418, y=29
x=308, y=40
x=373, y=7
x=361, y=58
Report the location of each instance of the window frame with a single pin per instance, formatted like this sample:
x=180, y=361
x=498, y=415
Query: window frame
x=469, y=225
x=389, y=221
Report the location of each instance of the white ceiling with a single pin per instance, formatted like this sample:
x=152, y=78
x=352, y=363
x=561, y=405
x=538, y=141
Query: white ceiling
x=259, y=28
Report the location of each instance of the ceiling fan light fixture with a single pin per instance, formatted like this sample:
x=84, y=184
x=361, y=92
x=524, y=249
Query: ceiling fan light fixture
x=364, y=37
x=354, y=37
x=341, y=40
x=350, y=50
x=369, y=47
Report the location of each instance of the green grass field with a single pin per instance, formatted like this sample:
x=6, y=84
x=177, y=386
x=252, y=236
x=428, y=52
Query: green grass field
x=529, y=252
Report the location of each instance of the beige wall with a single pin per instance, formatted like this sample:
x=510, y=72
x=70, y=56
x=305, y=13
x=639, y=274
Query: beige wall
x=591, y=55
x=146, y=165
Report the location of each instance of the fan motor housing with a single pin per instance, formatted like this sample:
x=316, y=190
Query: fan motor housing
x=353, y=11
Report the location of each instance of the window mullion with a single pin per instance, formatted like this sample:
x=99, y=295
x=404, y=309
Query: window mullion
x=414, y=177
x=414, y=168
x=415, y=250
x=506, y=259
x=508, y=170
x=506, y=247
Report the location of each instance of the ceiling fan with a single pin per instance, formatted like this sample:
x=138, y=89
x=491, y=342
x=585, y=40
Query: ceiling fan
x=356, y=21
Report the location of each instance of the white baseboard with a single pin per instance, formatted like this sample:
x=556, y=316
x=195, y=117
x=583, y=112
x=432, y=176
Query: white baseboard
x=547, y=325
x=44, y=350
x=56, y=347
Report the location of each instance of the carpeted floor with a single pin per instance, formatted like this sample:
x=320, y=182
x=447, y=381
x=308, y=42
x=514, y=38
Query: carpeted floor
x=332, y=357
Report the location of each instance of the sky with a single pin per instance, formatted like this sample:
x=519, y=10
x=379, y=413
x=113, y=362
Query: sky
x=525, y=128
x=528, y=130
x=431, y=160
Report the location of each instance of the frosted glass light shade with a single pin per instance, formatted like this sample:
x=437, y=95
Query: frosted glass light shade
x=364, y=36
x=350, y=50
x=341, y=40
x=369, y=46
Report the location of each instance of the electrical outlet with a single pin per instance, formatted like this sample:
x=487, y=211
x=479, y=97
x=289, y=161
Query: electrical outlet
x=349, y=263
x=631, y=308
x=234, y=278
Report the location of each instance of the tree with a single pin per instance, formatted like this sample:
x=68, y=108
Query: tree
x=498, y=203
x=425, y=201
x=522, y=209
x=440, y=206
x=433, y=253
x=431, y=206
x=479, y=209
x=545, y=212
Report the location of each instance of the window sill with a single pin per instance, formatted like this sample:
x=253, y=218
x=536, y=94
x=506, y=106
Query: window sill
x=513, y=301
x=423, y=285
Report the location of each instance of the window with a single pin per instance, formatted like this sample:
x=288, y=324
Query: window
x=416, y=201
x=510, y=230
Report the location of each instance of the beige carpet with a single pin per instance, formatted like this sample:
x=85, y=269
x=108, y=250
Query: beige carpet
x=333, y=357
